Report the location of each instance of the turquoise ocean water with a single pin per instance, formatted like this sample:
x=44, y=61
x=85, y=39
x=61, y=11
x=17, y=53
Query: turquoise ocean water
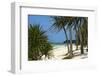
x=57, y=45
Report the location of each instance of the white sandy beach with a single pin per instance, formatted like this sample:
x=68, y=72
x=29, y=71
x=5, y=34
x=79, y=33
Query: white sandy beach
x=58, y=53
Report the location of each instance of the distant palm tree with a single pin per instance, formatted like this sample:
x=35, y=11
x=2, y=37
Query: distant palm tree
x=38, y=44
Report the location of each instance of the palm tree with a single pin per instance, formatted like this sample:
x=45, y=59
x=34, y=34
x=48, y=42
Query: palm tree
x=59, y=24
x=38, y=44
x=81, y=31
x=79, y=24
x=84, y=31
x=69, y=26
x=75, y=27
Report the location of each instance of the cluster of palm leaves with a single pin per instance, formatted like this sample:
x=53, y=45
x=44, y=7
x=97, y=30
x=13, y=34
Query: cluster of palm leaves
x=38, y=44
x=79, y=24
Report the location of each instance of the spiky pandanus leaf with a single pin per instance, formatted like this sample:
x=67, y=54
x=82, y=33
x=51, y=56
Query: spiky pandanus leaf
x=37, y=41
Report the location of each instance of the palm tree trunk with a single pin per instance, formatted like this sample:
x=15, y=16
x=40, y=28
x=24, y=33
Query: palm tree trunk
x=76, y=39
x=71, y=50
x=70, y=33
x=87, y=47
x=81, y=41
x=66, y=38
x=82, y=51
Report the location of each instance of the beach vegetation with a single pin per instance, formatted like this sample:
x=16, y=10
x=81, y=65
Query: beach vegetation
x=38, y=44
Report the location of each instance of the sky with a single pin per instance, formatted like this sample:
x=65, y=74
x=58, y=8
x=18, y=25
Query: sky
x=46, y=22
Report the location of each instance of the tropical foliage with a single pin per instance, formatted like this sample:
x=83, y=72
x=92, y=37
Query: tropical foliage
x=79, y=24
x=38, y=44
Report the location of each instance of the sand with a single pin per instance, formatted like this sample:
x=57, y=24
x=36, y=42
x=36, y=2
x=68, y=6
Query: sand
x=59, y=52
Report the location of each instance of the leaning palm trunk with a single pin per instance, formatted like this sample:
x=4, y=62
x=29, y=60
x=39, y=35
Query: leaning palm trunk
x=66, y=38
